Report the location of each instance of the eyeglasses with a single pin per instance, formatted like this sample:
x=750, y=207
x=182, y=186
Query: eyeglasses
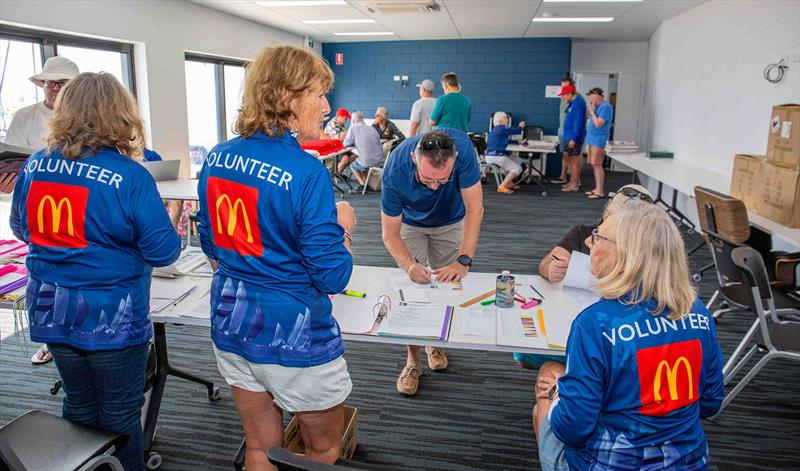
x=55, y=83
x=434, y=181
x=634, y=193
x=596, y=236
x=430, y=145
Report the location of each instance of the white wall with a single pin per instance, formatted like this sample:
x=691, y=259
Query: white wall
x=161, y=32
x=706, y=97
x=629, y=60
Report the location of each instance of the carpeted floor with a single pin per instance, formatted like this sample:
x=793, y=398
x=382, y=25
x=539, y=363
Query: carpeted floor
x=476, y=415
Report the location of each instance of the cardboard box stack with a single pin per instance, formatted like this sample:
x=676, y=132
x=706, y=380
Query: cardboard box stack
x=770, y=186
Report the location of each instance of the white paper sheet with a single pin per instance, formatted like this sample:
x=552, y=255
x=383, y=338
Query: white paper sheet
x=415, y=295
x=401, y=281
x=354, y=315
x=166, y=293
x=578, y=274
x=421, y=320
x=200, y=309
x=479, y=320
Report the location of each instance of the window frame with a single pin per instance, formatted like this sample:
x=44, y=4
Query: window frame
x=50, y=42
x=219, y=85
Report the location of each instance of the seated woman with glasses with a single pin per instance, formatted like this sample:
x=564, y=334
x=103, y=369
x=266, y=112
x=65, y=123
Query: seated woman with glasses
x=553, y=267
x=644, y=362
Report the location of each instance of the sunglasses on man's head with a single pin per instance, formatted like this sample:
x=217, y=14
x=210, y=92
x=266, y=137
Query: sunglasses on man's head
x=634, y=193
x=430, y=145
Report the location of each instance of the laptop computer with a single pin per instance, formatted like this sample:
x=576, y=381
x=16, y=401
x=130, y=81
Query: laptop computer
x=163, y=170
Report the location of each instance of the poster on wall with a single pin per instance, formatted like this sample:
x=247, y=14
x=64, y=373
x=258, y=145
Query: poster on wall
x=339, y=58
x=552, y=91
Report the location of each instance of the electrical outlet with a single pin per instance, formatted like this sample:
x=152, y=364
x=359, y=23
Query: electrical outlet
x=405, y=77
x=396, y=78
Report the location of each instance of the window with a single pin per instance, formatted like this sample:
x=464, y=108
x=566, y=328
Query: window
x=23, y=52
x=213, y=98
x=19, y=60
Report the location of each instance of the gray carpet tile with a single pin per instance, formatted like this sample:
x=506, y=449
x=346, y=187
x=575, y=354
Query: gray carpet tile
x=474, y=416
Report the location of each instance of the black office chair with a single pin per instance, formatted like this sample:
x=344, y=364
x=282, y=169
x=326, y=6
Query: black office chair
x=285, y=460
x=37, y=441
x=775, y=331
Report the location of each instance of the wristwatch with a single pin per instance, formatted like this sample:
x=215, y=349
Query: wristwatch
x=465, y=260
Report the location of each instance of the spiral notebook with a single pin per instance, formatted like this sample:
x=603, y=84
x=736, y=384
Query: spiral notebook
x=417, y=320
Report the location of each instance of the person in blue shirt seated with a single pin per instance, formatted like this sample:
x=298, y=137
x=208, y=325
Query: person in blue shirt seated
x=431, y=213
x=96, y=226
x=269, y=222
x=496, y=153
x=598, y=128
x=643, y=362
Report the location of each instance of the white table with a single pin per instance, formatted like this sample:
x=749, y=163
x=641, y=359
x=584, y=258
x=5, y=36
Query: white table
x=684, y=176
x=374, y=281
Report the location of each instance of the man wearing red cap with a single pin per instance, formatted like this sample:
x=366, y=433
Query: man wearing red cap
x=574, y=134
x=335, y=129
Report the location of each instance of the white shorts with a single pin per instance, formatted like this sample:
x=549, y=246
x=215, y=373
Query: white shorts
x=313, y=388
x=509, y=163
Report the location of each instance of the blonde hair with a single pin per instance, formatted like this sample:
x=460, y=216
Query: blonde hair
x=94, y=110
x=277, y=76
x=651, y=261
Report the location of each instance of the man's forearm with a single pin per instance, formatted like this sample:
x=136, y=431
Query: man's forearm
x=412, y=130
x=399, y=251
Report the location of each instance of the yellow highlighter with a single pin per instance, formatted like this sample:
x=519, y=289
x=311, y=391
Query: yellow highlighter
x=541, y=321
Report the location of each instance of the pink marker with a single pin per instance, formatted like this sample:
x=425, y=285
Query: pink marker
x=532, y=303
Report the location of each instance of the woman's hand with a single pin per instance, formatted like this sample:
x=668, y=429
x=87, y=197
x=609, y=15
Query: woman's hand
x=346, y=216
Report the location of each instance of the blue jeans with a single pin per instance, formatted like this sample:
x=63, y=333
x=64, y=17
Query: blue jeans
x=106, y=389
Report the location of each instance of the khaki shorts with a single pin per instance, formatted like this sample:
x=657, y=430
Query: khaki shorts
x=433, y=246
x=314, y=388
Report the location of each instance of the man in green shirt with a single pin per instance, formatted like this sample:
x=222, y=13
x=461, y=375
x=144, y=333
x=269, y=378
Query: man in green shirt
x=452, y=110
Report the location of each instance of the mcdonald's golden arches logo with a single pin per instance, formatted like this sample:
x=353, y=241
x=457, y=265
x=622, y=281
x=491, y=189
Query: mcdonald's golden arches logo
x=233, y=213
x=56, y=214
x=669, y=376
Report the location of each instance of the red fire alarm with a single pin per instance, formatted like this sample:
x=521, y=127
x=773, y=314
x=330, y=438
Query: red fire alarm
x=339, y=58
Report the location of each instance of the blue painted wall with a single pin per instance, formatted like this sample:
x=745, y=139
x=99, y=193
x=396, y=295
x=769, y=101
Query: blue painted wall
x=496, y=74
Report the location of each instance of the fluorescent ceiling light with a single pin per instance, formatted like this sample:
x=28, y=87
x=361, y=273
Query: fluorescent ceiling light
x=302, y=3
x=335, y=22
x=558, y=19
x=589, y=1
x=367, y=33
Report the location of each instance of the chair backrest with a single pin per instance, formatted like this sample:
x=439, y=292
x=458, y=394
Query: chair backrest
x=479, y=141
x=533, y=133
x=756, y=280
x=8, y=458
x=721, y=249
x=729, y=214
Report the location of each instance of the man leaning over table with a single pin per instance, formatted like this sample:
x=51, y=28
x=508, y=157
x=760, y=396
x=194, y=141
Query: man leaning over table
x=431, y=212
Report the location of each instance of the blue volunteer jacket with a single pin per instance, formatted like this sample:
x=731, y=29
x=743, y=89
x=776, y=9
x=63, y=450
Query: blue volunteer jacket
x=268, y=216
x=575, y=121
x=95, y=227
x=636, y=387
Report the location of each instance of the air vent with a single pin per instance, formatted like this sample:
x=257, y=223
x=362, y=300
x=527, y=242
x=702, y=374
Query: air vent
x=403, y=8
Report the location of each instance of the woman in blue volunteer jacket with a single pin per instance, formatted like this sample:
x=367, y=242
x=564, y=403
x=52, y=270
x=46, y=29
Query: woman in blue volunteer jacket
x=96, y=225
x=268, y=219
x=643, y=363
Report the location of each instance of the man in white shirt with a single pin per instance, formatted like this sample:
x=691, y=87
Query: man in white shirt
x=421, y=110
x=29, y=129
x=29, y=126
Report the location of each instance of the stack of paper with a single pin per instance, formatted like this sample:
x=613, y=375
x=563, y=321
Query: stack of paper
x=164, y=294
x=418, y=320
x=621, y=147
x=13, y=251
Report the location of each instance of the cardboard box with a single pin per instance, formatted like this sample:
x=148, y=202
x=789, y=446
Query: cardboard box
x=779, y=197
x=783, y=146
x=746, y=179
x=294, y=441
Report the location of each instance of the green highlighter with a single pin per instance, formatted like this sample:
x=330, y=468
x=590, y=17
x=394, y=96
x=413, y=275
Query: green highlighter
x=355, y=294
x=486, y=303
